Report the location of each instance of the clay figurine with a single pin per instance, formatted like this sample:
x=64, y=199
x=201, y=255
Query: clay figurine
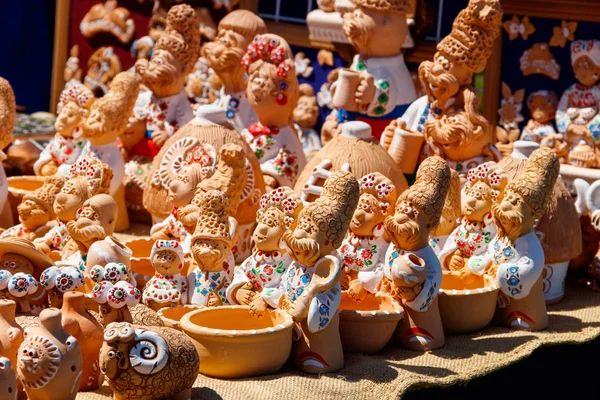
x=558, y=143
x=577, y=115
x=142, y=47
x=115, y=291
x=451, y=214
x=306, y=117
x=257, y=281
x=50, y=360
x=583, y=155
x=58, y=280
x=8, y=118
x=72, y=74
x=108, y=18
x=8, y=379
x=168, y=287
x=224, y=55
x=11, y=337
x=103, y=66
x=312, y=291
x=273, y=93
x=165, y=107
x=67, y=145
x=417, y=211
x=161, y=361
x=542, y=107
x=36, y=211
x=539, y=60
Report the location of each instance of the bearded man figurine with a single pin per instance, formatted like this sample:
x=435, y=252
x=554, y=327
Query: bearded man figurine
x=418, y=211
x=95, y=221
x=165, y=107
x=224, y=55
x=451, y=213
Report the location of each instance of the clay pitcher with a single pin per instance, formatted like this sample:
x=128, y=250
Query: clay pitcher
x=8, y=380
x=11, y=334
x=79, y=323
x=49, y=360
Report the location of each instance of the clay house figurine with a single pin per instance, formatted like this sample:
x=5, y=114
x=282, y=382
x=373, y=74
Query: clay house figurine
x=67, y=145
x=165, y=107
x=451, y=214
x=211, y=243
x=312, y=291
x=306, y=117
x=273, y=93
x=460, y=55
x=36, y=211
x=224, y=55
x=377, y=88
x=542, y=107
x=8, y=118
x=168, y=287
x=106, y=121
x=517, y=254
x=417, y=211
x=363, y=250
x=257, y=281
x=50, y=360
x=161, y=361
x=577, y=115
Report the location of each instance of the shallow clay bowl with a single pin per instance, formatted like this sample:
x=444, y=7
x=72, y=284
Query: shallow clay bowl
x=367, y=326
x=19, y=186
x=171, y=316
x=467, y=306
x=234, y=344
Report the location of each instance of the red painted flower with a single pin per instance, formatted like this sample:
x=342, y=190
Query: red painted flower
x=366, y=254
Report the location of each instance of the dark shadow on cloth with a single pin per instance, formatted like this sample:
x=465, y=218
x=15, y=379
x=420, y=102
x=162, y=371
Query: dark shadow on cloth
x=204, y=393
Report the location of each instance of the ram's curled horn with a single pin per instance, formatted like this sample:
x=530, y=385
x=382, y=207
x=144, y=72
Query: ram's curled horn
x=122, y=331
x=150, y=353
x=581, y=188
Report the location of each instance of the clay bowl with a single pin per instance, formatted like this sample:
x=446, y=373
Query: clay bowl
x=367, y=326
x=467, y=305
x=171, y=316
x=234, y=344
x=19, y=186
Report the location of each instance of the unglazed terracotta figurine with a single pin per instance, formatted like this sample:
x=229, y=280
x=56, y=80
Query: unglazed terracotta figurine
x=312, y=291
x=36, y=210
x=67, y=145
x=417, y=212
x=87, y=178
x=306, y=117
x=115, y=291
x=451, y=214
x=363, y=250
x=80, y=324
x=8, y=118
x=466, y=250
x=142, y=47
x=8, y=379
x=224, y=55
x=50, y=360
x=161, y=361
x=61, y=279
x=257, y=281
x=460, y=55
x=168, y=287
x=542, y=107
x=577, y=115
x=377, y=88
x=103, y=66
x=11, y=337
x=108, y=18
x=273, y=93
x=516, y=253
x=211, y=245
x=165, y=107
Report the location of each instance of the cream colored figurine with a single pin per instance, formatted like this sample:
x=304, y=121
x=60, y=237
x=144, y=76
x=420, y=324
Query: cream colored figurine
x=168, y=287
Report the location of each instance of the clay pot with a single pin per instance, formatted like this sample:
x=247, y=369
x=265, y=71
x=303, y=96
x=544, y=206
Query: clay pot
x=8, y=380
x=367, y=326
x=11, y=337
x=19, y=186
x=171, y=316
x=140, y=256
x=58, y=353
x=405, y=149
x=344, y=89
x=78, y=322
x=554, y=281
x=467, y=305
x=232, y=343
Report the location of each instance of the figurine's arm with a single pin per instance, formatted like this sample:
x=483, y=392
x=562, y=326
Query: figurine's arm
x=44, y=160
x=517, y=278
x=562, y=119
x=478, y=265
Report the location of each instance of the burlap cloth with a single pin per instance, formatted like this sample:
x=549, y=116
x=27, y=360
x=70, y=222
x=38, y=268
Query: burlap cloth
x=391, y=373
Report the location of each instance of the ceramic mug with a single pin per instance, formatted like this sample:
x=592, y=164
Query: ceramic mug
x=343, y=90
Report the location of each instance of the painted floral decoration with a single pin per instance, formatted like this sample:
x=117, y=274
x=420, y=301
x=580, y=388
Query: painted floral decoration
x=302, y=64
x=515, y=27
x=510, y=107
x=563, y=33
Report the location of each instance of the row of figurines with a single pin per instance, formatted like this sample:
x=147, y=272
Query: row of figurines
x=360, y=238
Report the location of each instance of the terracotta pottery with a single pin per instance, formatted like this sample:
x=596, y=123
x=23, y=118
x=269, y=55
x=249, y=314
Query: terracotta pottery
x=171, y=316
x=367, y=326
x=79, y=323
x=232, y=343
x=8, y=380
x=49, y=362
x=18, y=187
x=148, y=363
x=140, y=256
x=8, y=113
x=103, y=252
x=467, y=306
x=11, y=335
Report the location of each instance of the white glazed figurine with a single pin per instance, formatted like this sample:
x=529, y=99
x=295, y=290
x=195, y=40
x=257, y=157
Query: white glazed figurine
x=168, y=287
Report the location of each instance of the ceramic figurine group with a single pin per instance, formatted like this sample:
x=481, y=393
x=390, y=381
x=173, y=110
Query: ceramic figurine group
x=260, y=234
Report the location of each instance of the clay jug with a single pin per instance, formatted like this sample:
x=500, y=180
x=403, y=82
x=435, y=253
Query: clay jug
x=11, y=334
x=8, y=380
x=79, y=323
x=49, y=360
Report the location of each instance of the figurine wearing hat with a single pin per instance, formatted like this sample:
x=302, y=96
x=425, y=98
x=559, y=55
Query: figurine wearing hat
x=165, y=107
x=377, y=30
x=8, y=117
x=257, y=281
x=211, y=251
x=577, y=115
x=168, y=287
x=36, y=210
x=363, y=249
x=418, y=210
x=451, y=213
x=517, y=253
x=311, y=286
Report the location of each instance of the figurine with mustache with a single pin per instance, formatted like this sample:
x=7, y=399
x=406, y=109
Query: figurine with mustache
x=306, y=117
x=224, y=55
x=95, y=221
x=417, y=212
x=165, y=106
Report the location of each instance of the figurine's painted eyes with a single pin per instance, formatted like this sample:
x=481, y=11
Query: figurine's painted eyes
x=159, y=61
x=443, y=62
x=111, y=354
